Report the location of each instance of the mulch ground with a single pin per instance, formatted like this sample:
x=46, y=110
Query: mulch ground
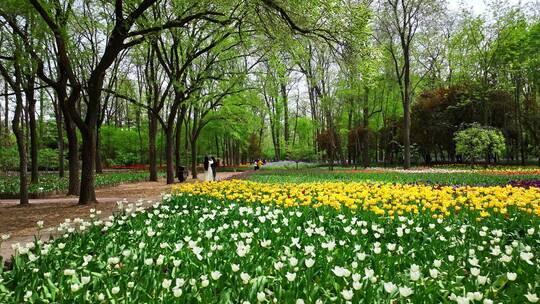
x=21, y=220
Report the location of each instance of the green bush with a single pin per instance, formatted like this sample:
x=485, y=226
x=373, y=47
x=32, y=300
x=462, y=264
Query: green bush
x=479, y=142
x=48, y=159
x=9, y=159
x=121, y=146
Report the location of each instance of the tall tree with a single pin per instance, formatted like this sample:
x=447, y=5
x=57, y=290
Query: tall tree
x=399, y=21
x=15, y=81
x=123, y=33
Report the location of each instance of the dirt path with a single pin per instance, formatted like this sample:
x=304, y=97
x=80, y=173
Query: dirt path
x=20, y=221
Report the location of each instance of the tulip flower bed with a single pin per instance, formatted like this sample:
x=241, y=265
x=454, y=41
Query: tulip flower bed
x=472, y=178
x=237, y=242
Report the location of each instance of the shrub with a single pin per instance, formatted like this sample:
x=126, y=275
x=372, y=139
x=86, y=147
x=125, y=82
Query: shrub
x=48, y=158
x=9, y=159
x=479, y=142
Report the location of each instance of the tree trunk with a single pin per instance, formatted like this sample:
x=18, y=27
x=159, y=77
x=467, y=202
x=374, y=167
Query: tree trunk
x=60, y=141
x=193, y=159
x=73, y=148
x=23, y=161
x=73, y=145
x=152, y=134
x=1, y=124
x=285, y=115
x=59, y=134
x=349, y=128
x=89, y=129
x=6, y=107
x=177, y=140
x=141, y=153
x=161, y=148
x=99, y=164
x=365, y=152
x=519, y=124
x=178, y=137
x=30, y=99
x=406, y=113
x=41, y=117
x=169, y=154
x=17, y=130
x=88, y=176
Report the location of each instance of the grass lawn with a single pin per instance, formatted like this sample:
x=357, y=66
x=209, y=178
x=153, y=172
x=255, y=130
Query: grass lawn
x=50, y=183
x=454, y=178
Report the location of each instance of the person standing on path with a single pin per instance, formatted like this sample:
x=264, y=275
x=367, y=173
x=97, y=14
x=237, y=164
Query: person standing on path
x=208, y=175
x=214, y=168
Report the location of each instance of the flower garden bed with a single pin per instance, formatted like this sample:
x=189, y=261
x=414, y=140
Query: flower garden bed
x=239, y=242
x=50, y=184
x=450, y=178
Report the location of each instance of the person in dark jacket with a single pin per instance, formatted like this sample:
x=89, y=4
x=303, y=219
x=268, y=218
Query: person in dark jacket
x=214, y=167
x=205, y=163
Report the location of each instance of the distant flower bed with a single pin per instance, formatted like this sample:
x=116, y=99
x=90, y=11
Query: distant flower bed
x=378, y=198
x=131, y=167
x=417, y=176
x=526, y=183
x=519, y=171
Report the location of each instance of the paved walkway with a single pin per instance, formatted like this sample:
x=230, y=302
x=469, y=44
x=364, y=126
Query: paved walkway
x=20, y=221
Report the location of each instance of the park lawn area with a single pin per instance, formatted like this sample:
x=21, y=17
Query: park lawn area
x=51, y=183
x=237, y=241
x=473, y=178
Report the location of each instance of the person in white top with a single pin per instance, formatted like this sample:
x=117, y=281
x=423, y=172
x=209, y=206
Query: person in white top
x=208, y=175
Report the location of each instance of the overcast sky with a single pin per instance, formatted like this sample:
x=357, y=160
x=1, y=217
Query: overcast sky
x=479, y=6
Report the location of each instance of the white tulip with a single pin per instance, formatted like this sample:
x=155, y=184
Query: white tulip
x=475, y=271
x=415, y=275
x=341, y=272
x=369, y=273
x=405, y=291
x=347, y=294
x=527, y=257
x=390, y=287
x=261, y=296
x=166, y=283
x=177, y=292
x=293, y=261
x=532, y=297
x=291, y=276
x=245, y=277
x=215, y=275
x=75, y=287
